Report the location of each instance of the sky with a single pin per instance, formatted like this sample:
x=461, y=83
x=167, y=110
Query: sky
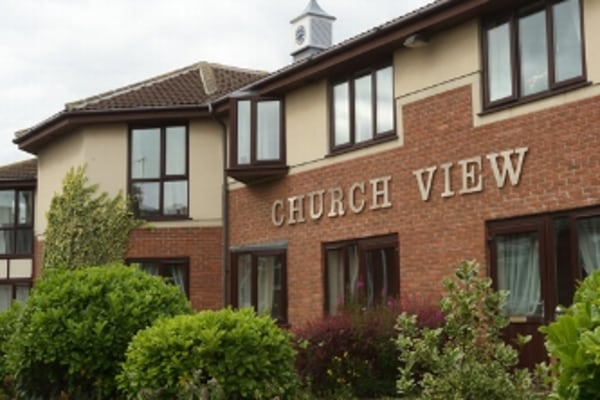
x=57, y=51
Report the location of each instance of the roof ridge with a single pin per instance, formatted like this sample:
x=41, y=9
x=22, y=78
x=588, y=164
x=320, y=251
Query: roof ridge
x=14, y=163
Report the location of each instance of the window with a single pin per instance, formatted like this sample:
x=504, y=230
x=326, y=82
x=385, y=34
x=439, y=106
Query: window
x=532, y=52
x=10, y=291
x=158, y=171
x=16, y=222
x=363, y=271
x=259, y=281
x=362, y=109
x=174, y=271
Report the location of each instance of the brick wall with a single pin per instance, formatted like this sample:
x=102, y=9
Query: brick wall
x=561, y=171
x=202, y=246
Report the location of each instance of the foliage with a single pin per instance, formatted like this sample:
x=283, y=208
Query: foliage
x=244, y=355
x=466, y=357
x=9, y=319
x=85, y=228
x=76, y=325
x=574, y=342
x=350, y=354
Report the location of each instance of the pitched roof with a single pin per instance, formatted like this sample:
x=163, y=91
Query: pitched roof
x=19, y=171
x=196, y=84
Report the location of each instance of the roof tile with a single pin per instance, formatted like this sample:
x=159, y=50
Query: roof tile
x=19, y=171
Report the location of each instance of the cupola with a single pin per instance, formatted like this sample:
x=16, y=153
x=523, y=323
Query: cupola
x=311, y=31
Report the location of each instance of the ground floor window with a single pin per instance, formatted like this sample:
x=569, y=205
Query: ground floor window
x=259, y=281
x=10, y=291
x=363, y=270
x=174, y=271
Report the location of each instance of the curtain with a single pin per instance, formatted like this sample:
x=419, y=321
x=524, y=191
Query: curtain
x=353, y=270
x=335, y=281
x=370, y=284
x=149, y=268
x=268, y=130
x=178, y=274
x=588, y=235
x=244, y=281
x=266, y=284
x=22, y=293
x=5, y=296
x=519, y=272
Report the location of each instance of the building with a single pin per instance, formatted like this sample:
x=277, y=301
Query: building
x=464, y=130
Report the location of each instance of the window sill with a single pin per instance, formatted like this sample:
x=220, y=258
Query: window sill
x=257, y=173
x=388, y=137
x=533, y=98
x=165, y=218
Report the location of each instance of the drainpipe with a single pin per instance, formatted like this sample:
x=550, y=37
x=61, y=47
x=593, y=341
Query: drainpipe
x=224, y=208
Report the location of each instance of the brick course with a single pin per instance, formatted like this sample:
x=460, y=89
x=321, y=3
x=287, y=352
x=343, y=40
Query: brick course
x=561, y=171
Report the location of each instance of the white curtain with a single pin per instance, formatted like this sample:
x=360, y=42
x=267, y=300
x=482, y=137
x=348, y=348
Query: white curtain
x=149, y=268
x=5, y=296
x=266, y=284
x=268, y=130
x=244, y=281
x=519, y=272
x=588, y=235
x=178, y=276
x=335, y=281
x=353, y=270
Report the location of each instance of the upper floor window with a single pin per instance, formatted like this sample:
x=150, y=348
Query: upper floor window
x=259, y=281
x=158, y=171
x=16, y=222
x=532, y=52
x=258, y=139
x=362, y=109
x=364, y=271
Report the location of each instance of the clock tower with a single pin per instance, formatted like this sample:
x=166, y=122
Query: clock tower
x=311, y=31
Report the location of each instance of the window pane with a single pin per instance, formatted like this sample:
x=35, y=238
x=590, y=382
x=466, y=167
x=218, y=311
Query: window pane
x=268, y=130
x=149, y=268
x=6, y=242
x=380, y=276
x=176, y=198
x=7, y=208
x=533, y=49
x=363, y=109
x=22, y=293
x=588, y=238
x=499, y=63
x=176, y=150
x=146, y=198
x=24, y=241
x=244, y=284
x=25, y=208
x=5, y=296
x=567, y=40
x=385, y=100
x=561, y=229
x=518, y=265
x=145, y=153
x=270, y=286
x=243, y=132
x=178, y=274
x=335, y=281
x=341, y=113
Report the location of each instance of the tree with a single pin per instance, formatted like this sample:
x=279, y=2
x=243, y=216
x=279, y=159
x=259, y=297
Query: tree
x=86, y=228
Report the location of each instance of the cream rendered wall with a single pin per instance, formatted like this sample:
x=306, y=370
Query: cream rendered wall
x=206, y=172
x=307, y=129
x=54, y=160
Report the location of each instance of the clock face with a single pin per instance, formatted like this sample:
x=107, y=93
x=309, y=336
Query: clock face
x=300, y=34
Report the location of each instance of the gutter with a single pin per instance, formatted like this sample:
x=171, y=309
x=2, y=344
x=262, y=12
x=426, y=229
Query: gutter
x=224, y=209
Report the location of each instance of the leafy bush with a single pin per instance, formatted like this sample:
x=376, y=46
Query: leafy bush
x=85, y=228
x=8, y=325
x=76, y=325
x=466, y=357
x=350, y=354
x=574, y=341
x=237, y=352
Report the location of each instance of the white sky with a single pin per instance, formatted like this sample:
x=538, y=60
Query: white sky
x=56, y=51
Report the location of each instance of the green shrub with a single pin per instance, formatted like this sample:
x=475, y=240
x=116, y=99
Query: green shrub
x=244, y=355
x=574, y=342
x=8, y=325
x=350, y=354
x=76, y=325
x=466, y=357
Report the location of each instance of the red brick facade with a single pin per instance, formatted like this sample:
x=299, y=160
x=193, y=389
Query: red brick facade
x=201, y=246
x=561, y=171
